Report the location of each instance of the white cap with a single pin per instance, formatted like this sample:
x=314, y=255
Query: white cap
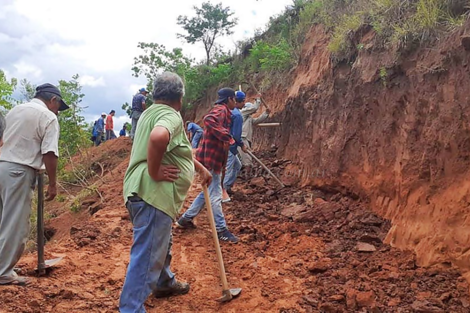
x=103, y=113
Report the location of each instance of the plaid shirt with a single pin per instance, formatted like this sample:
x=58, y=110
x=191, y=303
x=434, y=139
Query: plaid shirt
x=212, y=151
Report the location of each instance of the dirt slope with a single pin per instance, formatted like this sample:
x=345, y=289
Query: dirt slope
x=389, y=127
x=300, y=251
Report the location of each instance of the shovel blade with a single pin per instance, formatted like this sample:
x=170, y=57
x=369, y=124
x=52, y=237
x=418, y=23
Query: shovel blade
x=229, y=294
x=53, y=262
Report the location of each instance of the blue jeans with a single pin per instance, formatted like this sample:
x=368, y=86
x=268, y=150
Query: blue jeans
x=135, y=116
x=231, y=170
x=215, y=192
x=99, y=138
x=149, y=266
x=196, y=138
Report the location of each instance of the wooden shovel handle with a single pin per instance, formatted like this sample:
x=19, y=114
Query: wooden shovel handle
x=223, y=276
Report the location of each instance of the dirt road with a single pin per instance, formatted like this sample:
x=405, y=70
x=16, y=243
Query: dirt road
x=301, y=250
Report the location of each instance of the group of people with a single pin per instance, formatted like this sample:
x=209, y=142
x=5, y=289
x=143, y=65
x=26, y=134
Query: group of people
x=241, y=130
x=103, y=128
x=161, y=171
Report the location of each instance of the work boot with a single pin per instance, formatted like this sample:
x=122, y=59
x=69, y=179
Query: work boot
x=185, y=223
x=178, y=288
x=227, y=236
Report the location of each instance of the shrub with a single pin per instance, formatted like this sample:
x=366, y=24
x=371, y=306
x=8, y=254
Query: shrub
x=267, y=57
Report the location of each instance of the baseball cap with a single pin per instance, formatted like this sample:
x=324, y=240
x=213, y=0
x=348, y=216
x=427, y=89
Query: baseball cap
x=103, y=113
x=224, y=94
x=240, y=95
x=143, y=90
x=54, y=90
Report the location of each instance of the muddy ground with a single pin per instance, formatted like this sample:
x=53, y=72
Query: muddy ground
x=301, y=250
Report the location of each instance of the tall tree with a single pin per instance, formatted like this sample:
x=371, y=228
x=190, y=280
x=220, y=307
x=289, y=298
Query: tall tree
x=210, y=22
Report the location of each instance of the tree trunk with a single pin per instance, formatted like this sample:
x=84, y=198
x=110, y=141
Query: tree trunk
x=208, y=56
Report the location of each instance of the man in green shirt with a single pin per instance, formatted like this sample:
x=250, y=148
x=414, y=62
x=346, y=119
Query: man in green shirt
x=160, y=173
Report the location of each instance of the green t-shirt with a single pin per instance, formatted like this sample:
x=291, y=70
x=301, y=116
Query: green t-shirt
x=165, y=196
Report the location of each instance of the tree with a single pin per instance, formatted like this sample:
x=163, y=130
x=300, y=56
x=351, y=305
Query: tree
x=209, y=23
x=74, y=132
x=157, y=59
x=27, y=90
x=6, y=90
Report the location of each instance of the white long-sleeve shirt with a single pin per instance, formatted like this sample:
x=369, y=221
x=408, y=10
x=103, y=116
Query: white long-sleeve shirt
x=249, y=121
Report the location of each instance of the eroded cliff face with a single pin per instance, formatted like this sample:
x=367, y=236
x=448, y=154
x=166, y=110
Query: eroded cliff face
x=391, y=128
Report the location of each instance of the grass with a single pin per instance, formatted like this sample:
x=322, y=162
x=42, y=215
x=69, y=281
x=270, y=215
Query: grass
x=394, y=21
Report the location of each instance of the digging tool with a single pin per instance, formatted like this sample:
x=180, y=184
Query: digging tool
x=266, y=168
x=43, y=265
x=227, y=294
x=268, y=124
x=256, y=90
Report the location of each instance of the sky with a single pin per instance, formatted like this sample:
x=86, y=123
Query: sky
x=48, y=40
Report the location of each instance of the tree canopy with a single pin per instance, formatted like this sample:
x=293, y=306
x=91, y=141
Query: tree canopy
x=210, y=22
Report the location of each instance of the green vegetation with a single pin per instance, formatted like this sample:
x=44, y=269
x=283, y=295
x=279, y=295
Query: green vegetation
x=74, y=134
x=276, y=49
x=210, y=22
x=6, y=91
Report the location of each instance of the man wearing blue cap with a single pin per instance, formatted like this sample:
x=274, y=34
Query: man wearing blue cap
x=31, y=142
x=233, y=163
x=138, y=106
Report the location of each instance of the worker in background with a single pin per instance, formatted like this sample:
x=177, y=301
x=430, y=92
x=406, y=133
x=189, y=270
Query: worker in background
x=233, y=162
x=195, y=133
x=138, y=106
x=160, y=173
x=212, y=153
x=110, y=126
x=100, y=129
x=31, y=142
x=247, y=133
x=123, y=131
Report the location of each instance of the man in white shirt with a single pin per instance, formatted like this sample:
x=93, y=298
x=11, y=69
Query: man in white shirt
x=30, y=142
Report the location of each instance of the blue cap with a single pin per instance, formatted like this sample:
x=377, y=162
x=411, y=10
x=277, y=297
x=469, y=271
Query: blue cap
x=240, y=95
x=224, y=94
x=143, y=90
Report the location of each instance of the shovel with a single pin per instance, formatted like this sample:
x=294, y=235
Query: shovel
x=227, y=294
x=266, y=168
x=43, y=266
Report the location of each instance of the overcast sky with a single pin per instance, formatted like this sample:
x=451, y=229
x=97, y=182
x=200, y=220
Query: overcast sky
x=48, y=40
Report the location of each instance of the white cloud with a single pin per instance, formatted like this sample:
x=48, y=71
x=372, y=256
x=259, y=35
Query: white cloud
x=49, y=40
x=91, y=81
x=25, y=69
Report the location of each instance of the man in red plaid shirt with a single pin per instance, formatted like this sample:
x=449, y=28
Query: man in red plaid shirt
x=212, y=153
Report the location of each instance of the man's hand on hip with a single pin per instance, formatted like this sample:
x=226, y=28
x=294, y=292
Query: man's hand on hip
x=168, y=173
